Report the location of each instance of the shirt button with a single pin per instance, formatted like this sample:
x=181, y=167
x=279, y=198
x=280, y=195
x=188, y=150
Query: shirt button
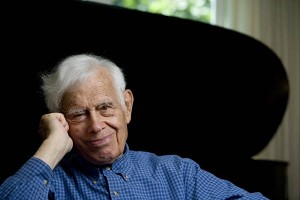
x=107, y=168
x=116, y=193
x=126, y=177
x=45, y=182
x=95, y=182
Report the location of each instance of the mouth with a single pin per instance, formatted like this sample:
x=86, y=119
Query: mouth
x=100, y=141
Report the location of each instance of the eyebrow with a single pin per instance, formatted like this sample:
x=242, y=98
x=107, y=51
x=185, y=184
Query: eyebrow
x=72, y=111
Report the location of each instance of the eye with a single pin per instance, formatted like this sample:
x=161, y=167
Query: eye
x=106, y=109
x=76, y=116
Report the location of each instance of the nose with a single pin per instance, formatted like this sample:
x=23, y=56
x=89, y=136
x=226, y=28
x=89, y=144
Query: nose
x=96, y=122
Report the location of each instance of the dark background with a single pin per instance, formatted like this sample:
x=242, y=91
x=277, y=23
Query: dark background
x=201, y=91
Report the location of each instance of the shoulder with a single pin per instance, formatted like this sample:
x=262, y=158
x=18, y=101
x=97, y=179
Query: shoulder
x=172, y=161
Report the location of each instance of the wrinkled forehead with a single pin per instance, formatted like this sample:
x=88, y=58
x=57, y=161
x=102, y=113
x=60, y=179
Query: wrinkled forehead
x=96, y=87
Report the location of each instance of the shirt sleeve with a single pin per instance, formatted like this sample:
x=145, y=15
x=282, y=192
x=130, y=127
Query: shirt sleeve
x=204, y=185
x=31, y=181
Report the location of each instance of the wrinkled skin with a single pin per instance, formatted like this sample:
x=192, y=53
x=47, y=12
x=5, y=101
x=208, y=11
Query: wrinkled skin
x=97, y=121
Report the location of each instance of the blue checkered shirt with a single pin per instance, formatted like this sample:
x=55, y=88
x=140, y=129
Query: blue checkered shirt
x=136, y=175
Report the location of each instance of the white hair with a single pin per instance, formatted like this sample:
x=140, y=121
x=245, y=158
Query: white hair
x=74, y=69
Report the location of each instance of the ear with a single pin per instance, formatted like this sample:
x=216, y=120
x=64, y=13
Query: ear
x=128, y=97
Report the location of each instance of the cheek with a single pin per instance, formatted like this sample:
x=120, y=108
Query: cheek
x=117, y=121
x=120, y=126
x=75, y=131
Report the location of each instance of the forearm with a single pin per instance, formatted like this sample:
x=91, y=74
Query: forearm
x=50, y=152
x=53, y=128
x=29, y=182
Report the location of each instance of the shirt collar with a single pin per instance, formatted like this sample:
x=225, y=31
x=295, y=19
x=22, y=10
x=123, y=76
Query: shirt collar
x=121, y=166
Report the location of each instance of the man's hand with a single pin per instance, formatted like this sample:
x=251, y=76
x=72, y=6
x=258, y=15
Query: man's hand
x=57, y=142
